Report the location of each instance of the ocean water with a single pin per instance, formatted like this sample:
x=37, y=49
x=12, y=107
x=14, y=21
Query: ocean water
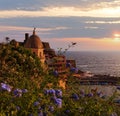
x=97, y=62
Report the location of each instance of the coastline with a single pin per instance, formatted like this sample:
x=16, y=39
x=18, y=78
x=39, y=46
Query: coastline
x=107, y=90
x=88, y=78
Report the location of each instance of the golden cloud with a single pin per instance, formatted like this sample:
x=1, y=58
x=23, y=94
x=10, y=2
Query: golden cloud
x=62, y=12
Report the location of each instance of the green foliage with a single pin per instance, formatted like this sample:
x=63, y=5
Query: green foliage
x=22, y=70
x=19, y=60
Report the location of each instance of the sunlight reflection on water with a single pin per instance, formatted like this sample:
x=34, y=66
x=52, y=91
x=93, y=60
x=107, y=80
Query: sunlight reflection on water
x=97, y=62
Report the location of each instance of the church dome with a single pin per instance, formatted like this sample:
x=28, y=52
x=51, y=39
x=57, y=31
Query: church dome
x=34, y=41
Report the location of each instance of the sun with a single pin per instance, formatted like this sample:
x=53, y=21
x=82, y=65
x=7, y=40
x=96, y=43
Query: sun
x=117, y=37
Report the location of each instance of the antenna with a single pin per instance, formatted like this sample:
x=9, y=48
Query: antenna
x=34, y=31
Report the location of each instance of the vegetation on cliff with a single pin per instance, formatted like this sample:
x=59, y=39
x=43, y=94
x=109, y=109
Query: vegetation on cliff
x=28, y=90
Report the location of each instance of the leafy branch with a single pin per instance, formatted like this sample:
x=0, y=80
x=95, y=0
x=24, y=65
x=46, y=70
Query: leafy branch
x=60, y=52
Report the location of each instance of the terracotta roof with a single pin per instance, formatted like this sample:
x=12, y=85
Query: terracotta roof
x=34, y=42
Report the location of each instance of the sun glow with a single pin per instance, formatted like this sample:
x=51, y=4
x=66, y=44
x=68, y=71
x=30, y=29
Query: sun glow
x=117, y=37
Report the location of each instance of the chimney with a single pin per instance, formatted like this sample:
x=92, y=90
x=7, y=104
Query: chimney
x=26, y=37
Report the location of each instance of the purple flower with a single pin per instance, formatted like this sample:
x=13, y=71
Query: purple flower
x=24, y=91
x=90, y=94
x=5, y=87
x=36, y=103
x=52, y=91
x=58, y=102
x=67, y=111
x=46, y=92
x=51, y=108
x=17, y=92
x=100, y=94
x=59, y=93
x=73, y=69
x=68, y=64
x=75, y=96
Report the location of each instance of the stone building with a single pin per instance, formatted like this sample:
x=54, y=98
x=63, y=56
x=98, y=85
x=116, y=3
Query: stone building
x=41, y=49
x=35, y=45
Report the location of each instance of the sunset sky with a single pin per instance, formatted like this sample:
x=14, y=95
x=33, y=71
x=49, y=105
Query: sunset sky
x=93, y=24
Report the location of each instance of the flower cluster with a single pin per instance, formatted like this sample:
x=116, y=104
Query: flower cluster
x=56, y=96
x=16, y=92
x=54, y=92
x=82, y=94
x=51, y=100
x=75, y=96
x=6, y=87
x=74, y=70
x=19, y=92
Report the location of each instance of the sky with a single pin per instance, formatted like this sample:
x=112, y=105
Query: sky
x=93, y=24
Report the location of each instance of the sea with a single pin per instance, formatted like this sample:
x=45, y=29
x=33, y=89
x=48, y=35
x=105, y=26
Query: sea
x=107, y=63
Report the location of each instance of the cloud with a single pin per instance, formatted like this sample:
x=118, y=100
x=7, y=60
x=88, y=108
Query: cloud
x=39, y=4
x=61, y=27
x=61, y=12
x=57, y=8
x=104, y=22
x=18, y=28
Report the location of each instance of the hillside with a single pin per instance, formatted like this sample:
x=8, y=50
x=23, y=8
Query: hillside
x=27, y=89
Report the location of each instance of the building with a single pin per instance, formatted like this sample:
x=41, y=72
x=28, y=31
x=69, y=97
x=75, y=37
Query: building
x=41, y=49
x=57, y=64
x=35, y=45
x=45, y=53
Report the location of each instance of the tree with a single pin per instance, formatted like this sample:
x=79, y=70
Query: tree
x=7, y=39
